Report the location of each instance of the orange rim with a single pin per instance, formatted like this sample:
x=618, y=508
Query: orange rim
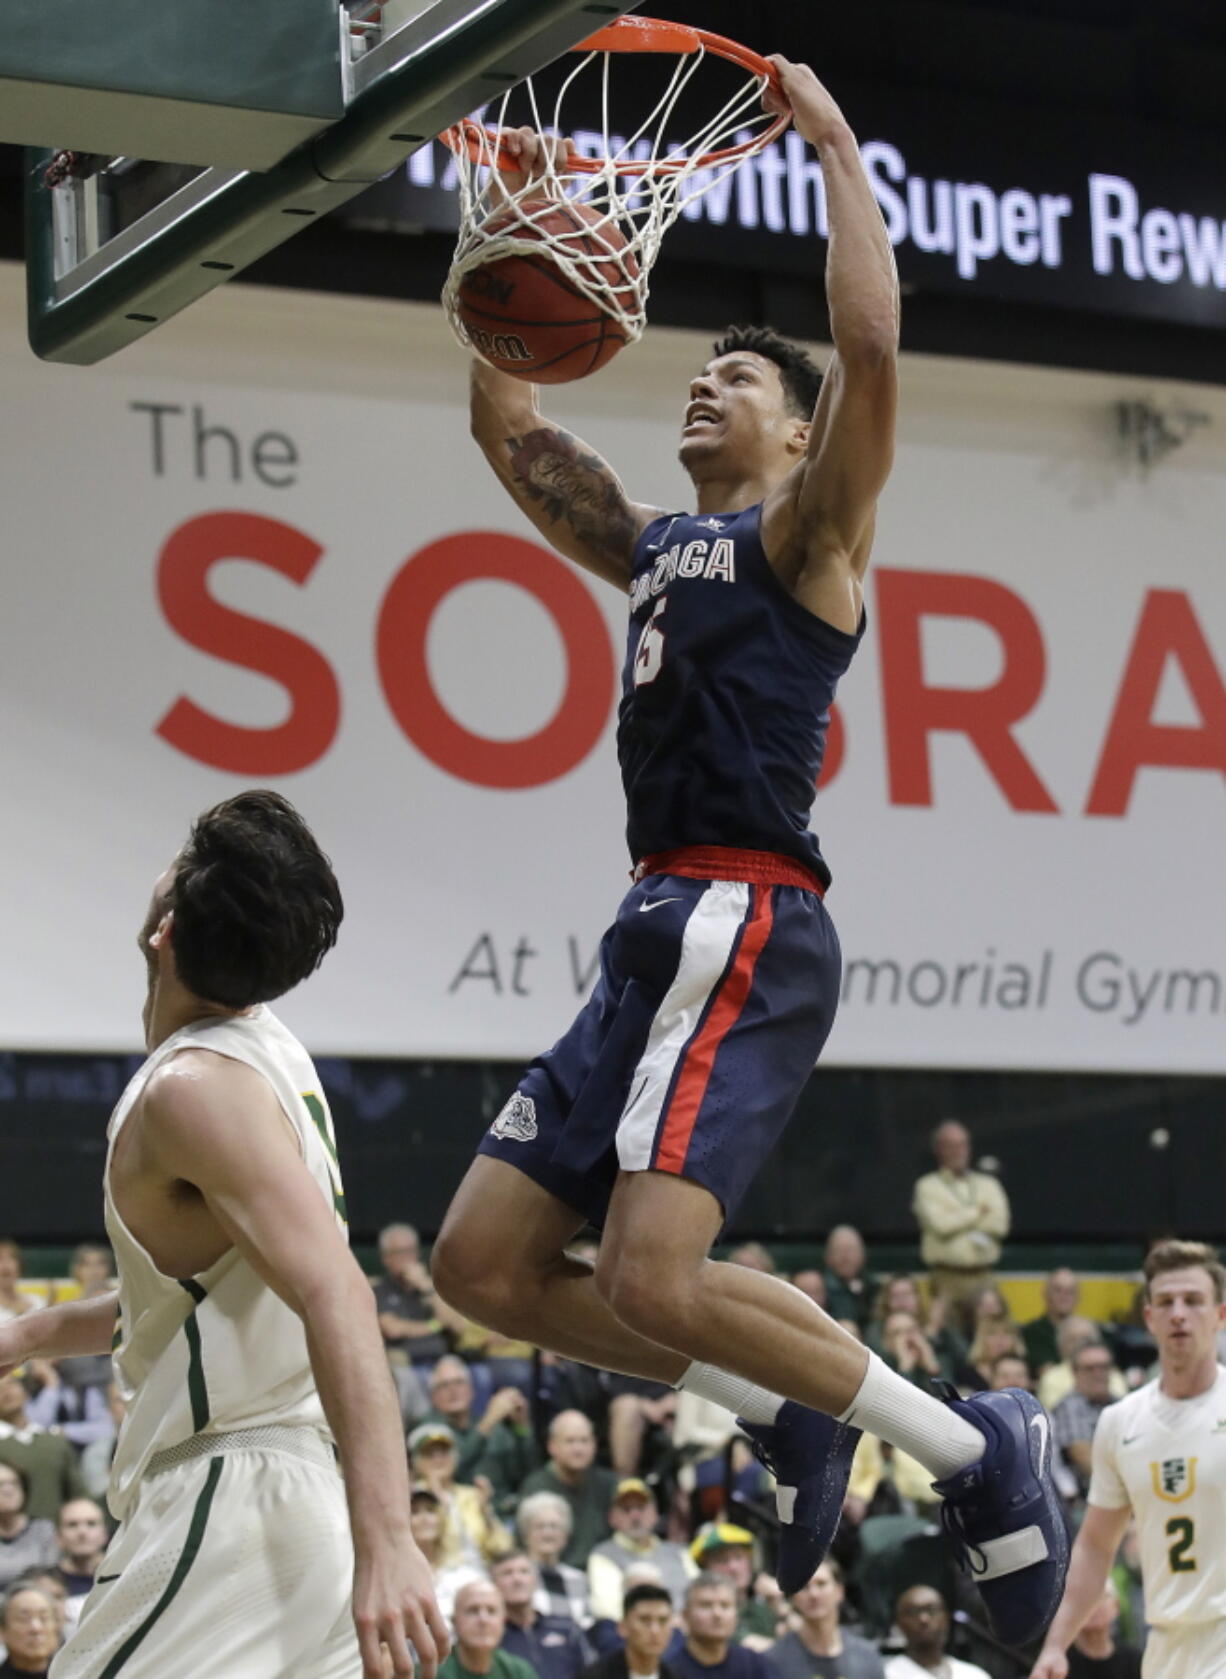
x=639, y=34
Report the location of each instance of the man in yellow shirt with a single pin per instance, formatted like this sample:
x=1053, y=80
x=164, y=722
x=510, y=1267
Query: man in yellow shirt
x=963, y=1217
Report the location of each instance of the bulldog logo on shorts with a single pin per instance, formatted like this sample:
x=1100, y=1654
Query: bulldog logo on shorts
x=517, y=1121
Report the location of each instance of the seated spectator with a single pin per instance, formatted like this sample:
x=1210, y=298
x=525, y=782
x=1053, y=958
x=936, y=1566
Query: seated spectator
x=813, y=1283
x=81, y=1534
x=646, y=1628
x=24, y=1543
x=1010, y=1371
x=923, y=1619
x=850, y=1286
x=30, y=1628
x=1061, y=1297
x=551, y=1644
x=1057, y=1380
x=448, y=1569
x=14, y=1301
x=725, y=1549
x=48, y=1581
x=605, y=1636
x=71, y=1397
x=819, y=1648
x=988, y=1307
x=573, y=1473
x=906, y=1349
x=544, y=1523
x=480, y=1621
x=901, y=1293
x=993, y=1341
x=754, y=1256
x=499, y=1444
x=1096, y=1652
x=47, y=1461
x=96, y=1459
x=417, y=1326
x=709, y=1621
x=472, y=1527
x=92, y=1269
x=1075, y=1418
x=633, y=1516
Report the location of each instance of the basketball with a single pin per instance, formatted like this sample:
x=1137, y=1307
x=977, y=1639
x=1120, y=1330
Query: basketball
x=522, y=313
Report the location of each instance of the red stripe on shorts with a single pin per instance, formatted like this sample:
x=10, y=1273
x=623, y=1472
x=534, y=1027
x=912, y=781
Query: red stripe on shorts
x=695, y=1073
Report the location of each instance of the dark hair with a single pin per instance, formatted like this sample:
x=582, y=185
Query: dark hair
x=799, y=374
x=256, y=905
x=648, y=1592
x=1174, y=1255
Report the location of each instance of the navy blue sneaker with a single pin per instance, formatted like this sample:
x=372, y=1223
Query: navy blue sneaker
x=1005, y=1515
x=809, y=1454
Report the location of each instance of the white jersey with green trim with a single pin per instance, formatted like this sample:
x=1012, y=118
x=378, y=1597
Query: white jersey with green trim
x=221, y=1350
x=1166, y=1459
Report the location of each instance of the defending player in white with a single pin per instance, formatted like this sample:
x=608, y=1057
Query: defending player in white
x=1160, y=1456
x=244, y=1333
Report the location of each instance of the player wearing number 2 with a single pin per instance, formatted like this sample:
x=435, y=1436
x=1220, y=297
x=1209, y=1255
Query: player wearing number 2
x=1160, y=1458
x=720, y=977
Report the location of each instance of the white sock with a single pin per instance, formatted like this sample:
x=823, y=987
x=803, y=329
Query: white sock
x=896, y=1410
x=734, y=1393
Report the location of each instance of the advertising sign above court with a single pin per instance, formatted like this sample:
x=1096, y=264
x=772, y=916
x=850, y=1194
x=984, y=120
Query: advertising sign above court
x=265, y=550
x=978, y=202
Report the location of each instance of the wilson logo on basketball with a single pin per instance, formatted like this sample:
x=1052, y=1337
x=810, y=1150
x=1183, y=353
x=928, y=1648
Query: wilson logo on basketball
x=500, y=346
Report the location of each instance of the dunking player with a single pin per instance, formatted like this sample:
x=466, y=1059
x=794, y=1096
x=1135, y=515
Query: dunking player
x=720, y=977
x=1159, y=1458
x=242, y=1326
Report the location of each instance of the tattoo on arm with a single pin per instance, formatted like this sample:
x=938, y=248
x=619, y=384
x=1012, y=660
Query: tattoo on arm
x=574, y=488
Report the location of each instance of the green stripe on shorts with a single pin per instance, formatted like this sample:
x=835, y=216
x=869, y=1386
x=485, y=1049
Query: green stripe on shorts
x=195, y=1536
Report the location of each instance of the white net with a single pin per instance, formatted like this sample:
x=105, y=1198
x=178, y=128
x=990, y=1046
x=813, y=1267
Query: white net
x=622, y=202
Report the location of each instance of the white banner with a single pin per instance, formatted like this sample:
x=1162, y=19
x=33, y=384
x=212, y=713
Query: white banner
x=261, y=548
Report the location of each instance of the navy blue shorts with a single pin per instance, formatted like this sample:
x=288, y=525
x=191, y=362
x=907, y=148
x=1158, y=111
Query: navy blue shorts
x=714, y=1000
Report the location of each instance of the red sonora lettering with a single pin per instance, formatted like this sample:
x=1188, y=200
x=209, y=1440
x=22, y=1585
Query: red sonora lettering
x=1167, y=629
x=414, y=595
x=915, y=709
x=204, y=623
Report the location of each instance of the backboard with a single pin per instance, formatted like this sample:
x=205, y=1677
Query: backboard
x=218, y=164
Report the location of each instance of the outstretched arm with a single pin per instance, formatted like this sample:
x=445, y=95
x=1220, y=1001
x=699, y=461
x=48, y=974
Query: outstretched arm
x=826, y=509
x=573, y=497
x=69, y=1331
x=1098, y=1540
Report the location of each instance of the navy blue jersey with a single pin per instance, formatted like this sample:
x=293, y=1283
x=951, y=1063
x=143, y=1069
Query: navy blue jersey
x=726, y=694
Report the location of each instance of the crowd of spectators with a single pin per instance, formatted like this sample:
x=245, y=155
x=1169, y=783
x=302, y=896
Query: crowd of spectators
x=582, y=1523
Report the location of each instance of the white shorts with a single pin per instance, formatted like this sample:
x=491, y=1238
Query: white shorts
x=1195, y=1651
x=235, y=1565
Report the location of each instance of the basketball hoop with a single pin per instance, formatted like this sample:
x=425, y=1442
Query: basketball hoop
x=637, y=185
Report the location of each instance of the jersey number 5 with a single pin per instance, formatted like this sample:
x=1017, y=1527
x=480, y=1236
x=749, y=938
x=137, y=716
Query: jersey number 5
x=1181, y=1531
x=649, y=654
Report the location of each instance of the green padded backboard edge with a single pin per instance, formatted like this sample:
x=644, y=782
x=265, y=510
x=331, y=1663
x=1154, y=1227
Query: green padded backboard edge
x=224, y=220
